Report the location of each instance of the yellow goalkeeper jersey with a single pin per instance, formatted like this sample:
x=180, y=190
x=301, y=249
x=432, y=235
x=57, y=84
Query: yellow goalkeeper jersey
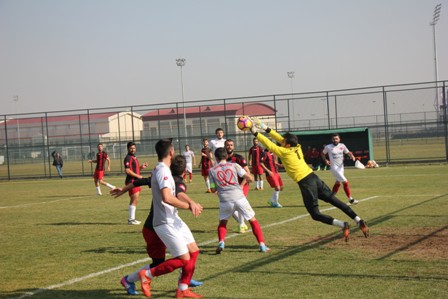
x=292, y=157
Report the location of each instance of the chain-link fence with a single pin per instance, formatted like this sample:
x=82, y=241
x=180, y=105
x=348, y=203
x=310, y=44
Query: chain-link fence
x=408, y=124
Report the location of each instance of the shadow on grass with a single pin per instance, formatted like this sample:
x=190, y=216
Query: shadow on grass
x=82, y=223
x=118, y=250
x=56, y=293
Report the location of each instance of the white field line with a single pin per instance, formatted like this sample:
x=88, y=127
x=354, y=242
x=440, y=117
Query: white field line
x=75, y=280
x=44, y=202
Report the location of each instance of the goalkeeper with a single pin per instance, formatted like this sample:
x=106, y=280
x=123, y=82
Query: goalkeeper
x=311, y=186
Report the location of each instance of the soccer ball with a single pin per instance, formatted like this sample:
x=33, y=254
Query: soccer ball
x=244, y=123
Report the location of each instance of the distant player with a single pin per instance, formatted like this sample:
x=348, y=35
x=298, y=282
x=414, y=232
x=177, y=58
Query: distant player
x=336, y=151
x=223, y=178
x=132, y=169
x=191, y=159
x=101, y=159
x=255, y=153
x=205, y=163
x=311, y=186
x=216, y=143
x=270, y=166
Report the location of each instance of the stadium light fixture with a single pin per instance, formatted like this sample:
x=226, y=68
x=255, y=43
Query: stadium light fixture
x=291, y=77
x=180, y=62
x=435, y=19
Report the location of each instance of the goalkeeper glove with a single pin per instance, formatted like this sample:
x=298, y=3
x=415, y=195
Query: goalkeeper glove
x=259, y=123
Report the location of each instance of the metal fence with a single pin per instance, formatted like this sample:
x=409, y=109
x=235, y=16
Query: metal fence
x=408, y=123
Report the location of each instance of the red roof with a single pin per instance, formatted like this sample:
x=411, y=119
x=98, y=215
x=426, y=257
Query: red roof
x=258, y=109
x=58, y=119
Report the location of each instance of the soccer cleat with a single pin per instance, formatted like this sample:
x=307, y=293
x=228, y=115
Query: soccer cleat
x=133, y=222
x=195, y=283
x=146, y=283
x=242, y=228
x=353, y=201
x=276, y=205
x=187, y=294
x=264, y=248
x=128, y=286
x=220, y=247
x=208, y=191
x=364, y=228
x=346, y=231
x=99, y=193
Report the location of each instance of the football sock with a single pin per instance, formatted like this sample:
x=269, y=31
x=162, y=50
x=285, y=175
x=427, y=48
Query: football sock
x=257, y=185
x=261, y=184
x=222, y=231
x=167, y=266
x=207, y=183
x=98, y=190
x=276, y=196
x=134, y=276
x=256, y=229
x=357, y=219
x=187, y=271
x=132, y=211
x=338, y=223
x=191, y=176
x=347, y=189
x=336, y=187
x=110, y=186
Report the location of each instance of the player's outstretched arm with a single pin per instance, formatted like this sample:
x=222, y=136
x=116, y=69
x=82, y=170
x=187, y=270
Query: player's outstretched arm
x=117, y=192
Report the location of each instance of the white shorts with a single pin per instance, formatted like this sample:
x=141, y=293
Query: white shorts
x=338, y=173
x=227, y=208
x=189, y=168
x=176, y=237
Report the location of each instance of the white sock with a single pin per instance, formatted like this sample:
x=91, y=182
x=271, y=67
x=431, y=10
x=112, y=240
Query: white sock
x=257, y=185
x=182, y=286
x=275, y=196
x=338, y=223
x=110, y=186
x=132, y=211
x=261, y=184
x=207, y=183
x=98, y=190
x=134, y=276
x=357, y=219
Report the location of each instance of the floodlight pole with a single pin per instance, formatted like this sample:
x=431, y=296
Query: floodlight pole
x=291, y=76
x=435, y=18
x=180, y=62
x=16, y=99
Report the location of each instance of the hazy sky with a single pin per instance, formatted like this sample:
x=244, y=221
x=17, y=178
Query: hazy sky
x=70, y=54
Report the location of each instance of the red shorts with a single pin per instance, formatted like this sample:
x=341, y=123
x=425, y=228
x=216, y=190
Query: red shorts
x=134, y=190
x=257, y=169
x=205, y=171
x=246, y=189
x=154, y=246
x=98, y=175
x=275, y=180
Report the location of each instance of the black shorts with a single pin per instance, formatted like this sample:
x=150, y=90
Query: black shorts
x=313, y=189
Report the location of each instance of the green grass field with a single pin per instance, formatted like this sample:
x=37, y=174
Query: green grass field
x=60, y=240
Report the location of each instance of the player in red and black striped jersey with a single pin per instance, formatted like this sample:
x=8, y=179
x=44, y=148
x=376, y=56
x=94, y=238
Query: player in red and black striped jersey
x=132, y=169
x=254, y=157
x=240, y=160
x=270, y=165
x=205, y=163
x=101, y=159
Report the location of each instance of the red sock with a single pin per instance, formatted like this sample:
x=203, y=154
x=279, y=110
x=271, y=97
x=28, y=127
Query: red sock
x=188, y=269
x=222, y=231
x=256, y=229
x=347, y=189
x=336, y=187
x=191, y=176
x=184, y=176
x=168, y=266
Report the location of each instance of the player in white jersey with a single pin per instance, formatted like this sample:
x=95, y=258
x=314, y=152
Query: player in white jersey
x=191, y=159
x=336, y=151
x=170, y=228
x=219, y=142
x=224, y=179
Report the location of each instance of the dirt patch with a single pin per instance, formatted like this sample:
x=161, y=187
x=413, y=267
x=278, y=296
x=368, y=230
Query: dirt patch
x=428, y=243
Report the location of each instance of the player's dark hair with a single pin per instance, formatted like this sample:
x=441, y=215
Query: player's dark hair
x=335, y=135
x=130, y=143
x=221, y=154
x=178, y=165
x=99, y=144
x=205, y=139
x=228, y=140
x=163, y=147
x=218, y=129
x=291, y=139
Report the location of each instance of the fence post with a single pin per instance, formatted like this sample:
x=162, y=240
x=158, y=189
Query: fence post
x=386, y=126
